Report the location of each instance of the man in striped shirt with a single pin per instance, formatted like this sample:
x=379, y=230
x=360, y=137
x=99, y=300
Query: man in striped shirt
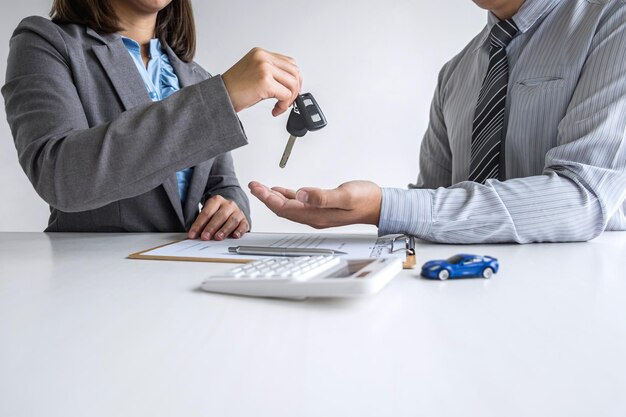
x=526, y=140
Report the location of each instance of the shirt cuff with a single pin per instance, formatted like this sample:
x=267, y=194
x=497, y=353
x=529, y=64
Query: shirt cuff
x=406, y=211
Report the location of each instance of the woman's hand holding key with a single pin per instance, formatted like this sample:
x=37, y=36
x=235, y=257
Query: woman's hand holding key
x=262, y=75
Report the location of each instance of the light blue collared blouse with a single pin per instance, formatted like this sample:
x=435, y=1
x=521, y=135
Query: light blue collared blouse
x=161, y=82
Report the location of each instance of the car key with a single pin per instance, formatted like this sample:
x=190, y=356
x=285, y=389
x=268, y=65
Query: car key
x=296, y=126
x=305, y=116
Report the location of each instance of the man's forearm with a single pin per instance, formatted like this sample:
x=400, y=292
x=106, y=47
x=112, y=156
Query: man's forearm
x=546, y=208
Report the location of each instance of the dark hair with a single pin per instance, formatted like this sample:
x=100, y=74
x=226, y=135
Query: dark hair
x=175, y=24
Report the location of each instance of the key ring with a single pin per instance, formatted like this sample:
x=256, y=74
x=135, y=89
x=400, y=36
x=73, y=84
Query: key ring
x=395, y=239
x=409, y=242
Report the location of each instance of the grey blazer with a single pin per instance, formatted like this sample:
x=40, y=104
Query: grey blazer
x=98, y=150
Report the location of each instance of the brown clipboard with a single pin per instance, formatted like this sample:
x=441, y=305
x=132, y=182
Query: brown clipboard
x=410, y=262
x=142, y=256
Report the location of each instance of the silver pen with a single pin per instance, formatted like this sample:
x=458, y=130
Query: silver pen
x=281, y=251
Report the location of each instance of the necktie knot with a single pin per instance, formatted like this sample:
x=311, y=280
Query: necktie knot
x=503, y=33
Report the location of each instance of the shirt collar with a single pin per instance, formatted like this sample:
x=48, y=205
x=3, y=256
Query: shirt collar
x=525, y=18
x=134, y=47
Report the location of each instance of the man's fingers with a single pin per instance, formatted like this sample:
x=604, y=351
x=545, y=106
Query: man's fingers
x=262, y=192
x=276, y=201
x=350, y=203
x=281, y=201
x=255, y=184
x=335, y=198
x=273, y=200
x=259, y=190
x=290, y=194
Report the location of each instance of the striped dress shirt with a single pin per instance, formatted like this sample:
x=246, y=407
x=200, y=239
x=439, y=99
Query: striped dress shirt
x=565, y=147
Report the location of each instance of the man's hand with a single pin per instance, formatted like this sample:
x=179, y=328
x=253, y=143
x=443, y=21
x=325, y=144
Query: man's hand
x=262, y=75
x=350, y=203
x=219, y=219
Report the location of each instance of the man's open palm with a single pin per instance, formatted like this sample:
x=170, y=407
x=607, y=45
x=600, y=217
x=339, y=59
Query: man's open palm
x=350, y=203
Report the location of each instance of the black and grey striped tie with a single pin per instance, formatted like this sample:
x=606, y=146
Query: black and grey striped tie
x=488, y=128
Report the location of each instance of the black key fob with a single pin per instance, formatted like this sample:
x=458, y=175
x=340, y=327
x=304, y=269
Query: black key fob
x=311, y=112
x=306, y=115
x=296, y=124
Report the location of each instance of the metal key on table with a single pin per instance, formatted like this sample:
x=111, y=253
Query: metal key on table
x=305, y=116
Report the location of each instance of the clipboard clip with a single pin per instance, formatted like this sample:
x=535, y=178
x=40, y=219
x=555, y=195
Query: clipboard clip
x=409, y=243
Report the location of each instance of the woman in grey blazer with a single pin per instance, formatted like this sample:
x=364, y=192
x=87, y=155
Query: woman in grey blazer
x=120, y=131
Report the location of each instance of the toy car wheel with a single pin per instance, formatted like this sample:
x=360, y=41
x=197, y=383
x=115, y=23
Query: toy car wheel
x=487, y=273
x=443, y=275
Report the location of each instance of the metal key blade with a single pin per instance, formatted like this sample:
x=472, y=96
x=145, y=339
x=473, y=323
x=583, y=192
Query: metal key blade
x=288, y=148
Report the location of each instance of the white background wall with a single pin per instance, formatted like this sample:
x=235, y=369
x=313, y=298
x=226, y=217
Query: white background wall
x=372, y=65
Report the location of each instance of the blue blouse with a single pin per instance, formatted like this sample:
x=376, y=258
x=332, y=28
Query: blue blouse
x=161, y=82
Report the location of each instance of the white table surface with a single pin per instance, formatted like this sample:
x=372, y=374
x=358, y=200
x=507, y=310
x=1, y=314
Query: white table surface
x=86, y=332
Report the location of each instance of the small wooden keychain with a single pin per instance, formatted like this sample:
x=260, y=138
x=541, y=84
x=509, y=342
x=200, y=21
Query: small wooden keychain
x=410, y=262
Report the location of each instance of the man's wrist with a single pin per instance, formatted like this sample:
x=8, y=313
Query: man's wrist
x=405, y=211
x=373, y=216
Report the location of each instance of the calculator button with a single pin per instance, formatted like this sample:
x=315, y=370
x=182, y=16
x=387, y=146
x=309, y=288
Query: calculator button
x=279, y=269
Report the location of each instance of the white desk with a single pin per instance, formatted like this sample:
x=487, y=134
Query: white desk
x=85, y=332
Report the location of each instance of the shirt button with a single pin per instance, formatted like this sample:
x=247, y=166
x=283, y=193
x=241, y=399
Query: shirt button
x=153, y=95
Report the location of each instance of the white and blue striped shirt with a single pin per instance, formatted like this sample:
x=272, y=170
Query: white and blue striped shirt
x=565, y=148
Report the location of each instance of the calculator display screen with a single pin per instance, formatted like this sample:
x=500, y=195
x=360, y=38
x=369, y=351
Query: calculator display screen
x=351, y=268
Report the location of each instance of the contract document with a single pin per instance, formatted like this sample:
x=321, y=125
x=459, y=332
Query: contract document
x=355, y=246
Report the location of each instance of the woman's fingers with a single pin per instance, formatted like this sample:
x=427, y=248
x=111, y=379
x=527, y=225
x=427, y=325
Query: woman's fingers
x=283, y=95
x=261, y=75
x=217, y=221
x=242, y=229
x=289, y=67
x=288, y=81
x=210, y=208
x=231, y=226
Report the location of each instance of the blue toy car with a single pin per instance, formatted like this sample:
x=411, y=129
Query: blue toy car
x=459, y=266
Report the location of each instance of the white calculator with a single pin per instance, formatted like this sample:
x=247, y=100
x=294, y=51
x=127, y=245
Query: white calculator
x=306, y=276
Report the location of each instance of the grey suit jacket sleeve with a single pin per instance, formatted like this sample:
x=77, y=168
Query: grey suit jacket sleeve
x=75, y=167
x=223, y=181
